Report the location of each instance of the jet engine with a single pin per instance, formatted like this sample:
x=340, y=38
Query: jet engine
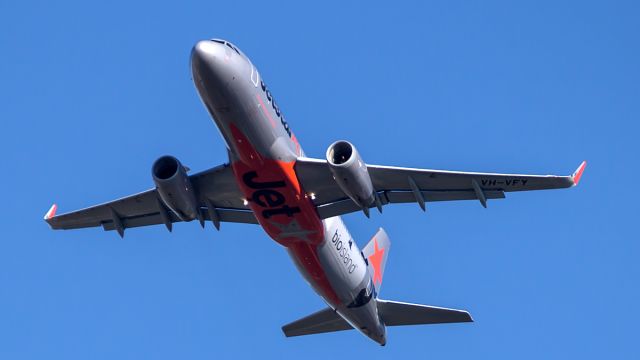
x=174, y=187
x=351, y=174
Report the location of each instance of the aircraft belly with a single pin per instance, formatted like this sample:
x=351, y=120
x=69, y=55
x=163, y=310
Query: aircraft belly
x=342, y=272
x=341, y=259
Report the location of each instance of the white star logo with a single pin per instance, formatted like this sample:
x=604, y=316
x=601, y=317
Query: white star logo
x=292, y=230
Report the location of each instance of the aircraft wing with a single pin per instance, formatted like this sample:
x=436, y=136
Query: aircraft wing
x=406, y=185
x=217, y=192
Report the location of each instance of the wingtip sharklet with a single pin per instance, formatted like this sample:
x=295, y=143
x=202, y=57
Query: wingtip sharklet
x=578, y=173
x=51, y=213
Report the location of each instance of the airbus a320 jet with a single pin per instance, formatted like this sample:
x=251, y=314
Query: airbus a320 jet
x=297, y=200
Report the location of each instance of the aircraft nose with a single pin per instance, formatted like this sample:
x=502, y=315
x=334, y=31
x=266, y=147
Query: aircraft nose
x=206, y=48
x=207, y=53
x=210, y=70
x=209, y=61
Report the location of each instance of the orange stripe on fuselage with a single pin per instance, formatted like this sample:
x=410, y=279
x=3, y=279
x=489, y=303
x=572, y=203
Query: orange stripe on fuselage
x=278, y=201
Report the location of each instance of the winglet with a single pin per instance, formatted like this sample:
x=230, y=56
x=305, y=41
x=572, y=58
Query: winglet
x=51, y=213
x=578, y=173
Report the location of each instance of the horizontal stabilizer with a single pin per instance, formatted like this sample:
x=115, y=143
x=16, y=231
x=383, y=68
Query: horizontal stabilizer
x=395, y=313
x=320, y=322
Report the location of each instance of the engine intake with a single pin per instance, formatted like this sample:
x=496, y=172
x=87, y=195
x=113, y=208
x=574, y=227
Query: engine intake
x=174, y=187
x=351, y=173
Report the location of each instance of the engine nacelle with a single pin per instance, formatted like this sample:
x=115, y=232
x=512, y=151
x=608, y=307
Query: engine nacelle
x=174, y=187
x=350, y=172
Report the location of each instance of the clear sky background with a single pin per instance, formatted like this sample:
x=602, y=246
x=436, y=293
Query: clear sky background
x=91, y=93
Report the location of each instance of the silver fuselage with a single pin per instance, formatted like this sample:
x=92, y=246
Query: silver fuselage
x=263, y=151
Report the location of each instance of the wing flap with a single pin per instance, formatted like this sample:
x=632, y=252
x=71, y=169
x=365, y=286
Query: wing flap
x=224, y=215
x=396, y=197
x=346, y=205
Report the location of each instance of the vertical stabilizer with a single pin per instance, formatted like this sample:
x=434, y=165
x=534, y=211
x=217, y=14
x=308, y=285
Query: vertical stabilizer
x=375, y=254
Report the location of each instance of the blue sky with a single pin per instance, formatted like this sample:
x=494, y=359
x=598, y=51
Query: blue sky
x=92, y=93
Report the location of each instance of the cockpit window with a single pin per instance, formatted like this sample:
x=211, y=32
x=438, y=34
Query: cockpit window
x=233, y=47
x=230, y=45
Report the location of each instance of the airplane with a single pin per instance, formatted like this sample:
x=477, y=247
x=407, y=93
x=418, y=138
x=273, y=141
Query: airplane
x=298, y=200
